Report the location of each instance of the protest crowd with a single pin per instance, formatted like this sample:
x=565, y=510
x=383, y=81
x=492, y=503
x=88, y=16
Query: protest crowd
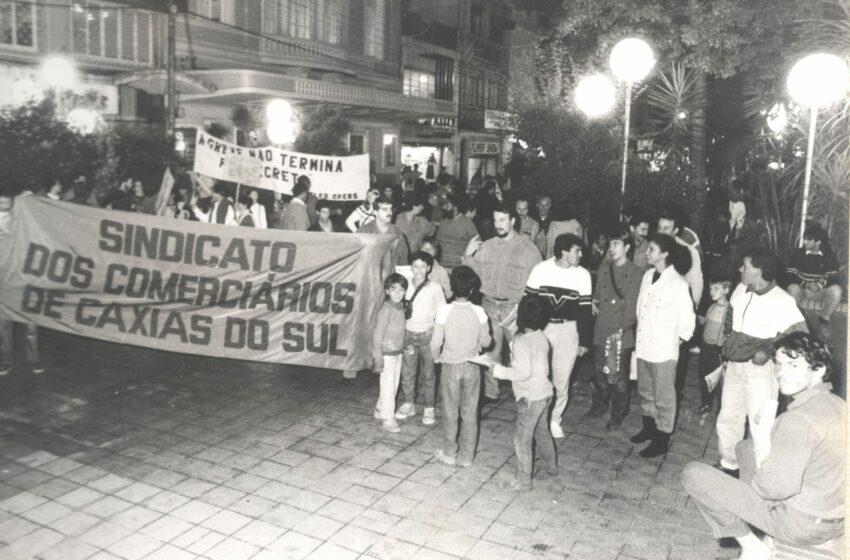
x=489, y=290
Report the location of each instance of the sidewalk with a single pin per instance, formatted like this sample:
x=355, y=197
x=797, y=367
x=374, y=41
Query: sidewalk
x=122, y=452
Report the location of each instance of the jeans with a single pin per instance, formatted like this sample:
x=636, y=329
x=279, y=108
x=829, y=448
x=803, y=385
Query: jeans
x=709, y=360
x=746, y=389
x=7, y=341
x=531, y=428
x=612, y=387
x=728, y=505
x=657, y=390
x=390, y=375
x=417, y=351
x=460, y=385
x=563, y=338
x=496, y=311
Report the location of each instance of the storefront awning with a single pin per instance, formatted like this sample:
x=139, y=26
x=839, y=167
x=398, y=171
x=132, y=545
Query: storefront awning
x=230, y=87
x=156, y=82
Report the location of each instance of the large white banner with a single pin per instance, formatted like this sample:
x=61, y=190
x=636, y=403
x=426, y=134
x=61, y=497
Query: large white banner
x=331, y=177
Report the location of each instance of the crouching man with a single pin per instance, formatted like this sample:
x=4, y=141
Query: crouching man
x=795, y=493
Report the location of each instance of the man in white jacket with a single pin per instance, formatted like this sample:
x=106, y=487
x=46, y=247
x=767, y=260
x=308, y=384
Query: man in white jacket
x=665, y=318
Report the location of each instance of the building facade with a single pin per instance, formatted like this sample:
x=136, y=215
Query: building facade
x=459, y=50
x=346, y=53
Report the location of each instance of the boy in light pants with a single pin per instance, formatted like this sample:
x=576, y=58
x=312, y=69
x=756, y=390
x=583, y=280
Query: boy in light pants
x=387, y=345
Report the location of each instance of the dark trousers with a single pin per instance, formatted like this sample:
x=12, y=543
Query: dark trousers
x=611, y=387
x=709, y=360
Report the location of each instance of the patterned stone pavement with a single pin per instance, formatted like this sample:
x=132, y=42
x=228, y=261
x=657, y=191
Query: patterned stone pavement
x=122, y=452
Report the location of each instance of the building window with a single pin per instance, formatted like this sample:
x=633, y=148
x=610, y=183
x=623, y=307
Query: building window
x=329, y=15
x=390, y=149
x=16, y=24
x=478, y=21
x=375, y=28
x=356, y=144
x=418, y=84
x=218, y=10
x=300, y=18
x=119, y=34
x=493, y=95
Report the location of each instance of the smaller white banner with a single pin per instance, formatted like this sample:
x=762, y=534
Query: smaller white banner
x=331, y=177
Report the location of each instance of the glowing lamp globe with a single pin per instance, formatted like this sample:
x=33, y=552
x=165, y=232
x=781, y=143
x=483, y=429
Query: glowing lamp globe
x=595, y=95
x=818, y=80
x=84, y=121
x=632, y=59
x=58, y=72
x=281, y=132
x=278, y=110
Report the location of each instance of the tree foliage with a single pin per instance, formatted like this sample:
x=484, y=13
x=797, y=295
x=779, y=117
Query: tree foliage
x=37, y=147
x=324, y=130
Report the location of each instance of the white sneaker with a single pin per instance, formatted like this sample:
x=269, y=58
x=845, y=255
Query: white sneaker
x=391, y=426
x=440, y=455
x=5, y=369
x=556, y=430
x=428, y=416
x=405, y=411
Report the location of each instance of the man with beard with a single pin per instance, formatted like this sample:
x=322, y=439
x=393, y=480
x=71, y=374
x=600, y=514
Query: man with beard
x=503, y=263
x=639, y=228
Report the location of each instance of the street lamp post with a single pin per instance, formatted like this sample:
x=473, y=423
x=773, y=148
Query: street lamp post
x=815, y=81
x=631, y=60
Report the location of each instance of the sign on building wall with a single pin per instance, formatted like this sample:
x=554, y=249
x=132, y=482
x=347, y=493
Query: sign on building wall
x=478, y=148
x=331, y=177
x=500, y=120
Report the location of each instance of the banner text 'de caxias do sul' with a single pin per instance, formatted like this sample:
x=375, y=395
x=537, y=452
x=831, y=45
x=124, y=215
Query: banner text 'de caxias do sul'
x=235, y=292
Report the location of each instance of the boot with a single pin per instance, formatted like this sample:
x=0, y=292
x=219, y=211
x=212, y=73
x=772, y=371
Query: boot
x=659, y=445
x=648, y=431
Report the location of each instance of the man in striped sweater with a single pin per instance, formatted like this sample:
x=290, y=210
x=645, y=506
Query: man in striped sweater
x=566, y=288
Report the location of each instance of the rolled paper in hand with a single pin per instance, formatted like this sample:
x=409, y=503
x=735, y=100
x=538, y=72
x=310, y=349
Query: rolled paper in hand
x=712, y=380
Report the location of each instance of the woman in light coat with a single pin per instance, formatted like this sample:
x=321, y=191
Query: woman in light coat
x=665, y=318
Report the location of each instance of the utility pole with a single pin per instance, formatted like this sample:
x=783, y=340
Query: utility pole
x=171, y=93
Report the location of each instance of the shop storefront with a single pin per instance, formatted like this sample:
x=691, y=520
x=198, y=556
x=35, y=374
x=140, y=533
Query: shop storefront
x=431, y=144
x=482, y=157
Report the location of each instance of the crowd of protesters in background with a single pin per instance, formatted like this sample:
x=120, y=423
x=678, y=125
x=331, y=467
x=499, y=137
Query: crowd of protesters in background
x=531, y=289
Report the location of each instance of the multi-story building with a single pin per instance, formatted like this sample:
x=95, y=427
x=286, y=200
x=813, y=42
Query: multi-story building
x=234, y=52
x=458, y=50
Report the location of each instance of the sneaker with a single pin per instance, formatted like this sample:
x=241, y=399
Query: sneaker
x=405, y=411
x=377, y=414
x=391, y=426
x=520, y=486
x=428, y=417
x=556, y=430
x=37, y=368
x=442, y=457
x=5, y=369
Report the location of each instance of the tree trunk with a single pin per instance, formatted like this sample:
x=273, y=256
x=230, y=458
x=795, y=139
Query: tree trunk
x=698, y=180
